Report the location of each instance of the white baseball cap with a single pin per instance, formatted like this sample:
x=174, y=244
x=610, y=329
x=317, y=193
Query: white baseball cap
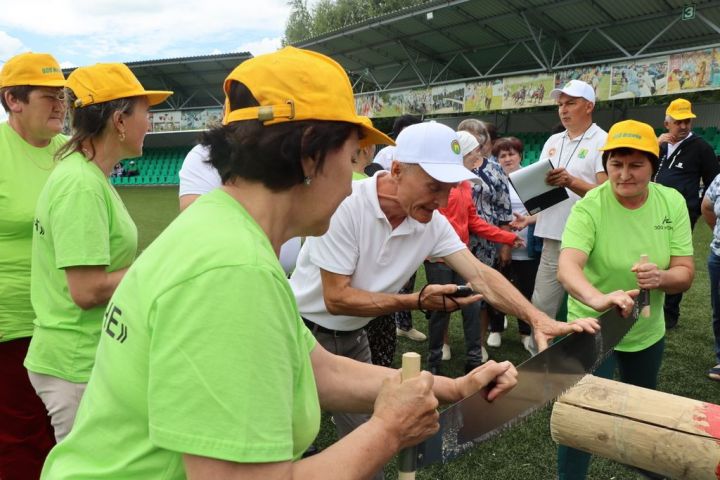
x=468, y=142
x=575, y=88
x=436, y=148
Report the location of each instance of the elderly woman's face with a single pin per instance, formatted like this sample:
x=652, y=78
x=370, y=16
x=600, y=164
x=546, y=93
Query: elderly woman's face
x=629, y=175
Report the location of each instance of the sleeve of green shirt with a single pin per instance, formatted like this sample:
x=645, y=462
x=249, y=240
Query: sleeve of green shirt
x=224, y=359
x=80, y=229
x=579, y=230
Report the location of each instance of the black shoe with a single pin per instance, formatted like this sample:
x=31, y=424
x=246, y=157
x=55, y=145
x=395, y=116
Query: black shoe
x=435, y=369
x=311, y=450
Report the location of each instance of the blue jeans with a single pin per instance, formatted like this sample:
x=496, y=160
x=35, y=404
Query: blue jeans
x=439, y=273
x=714, y=271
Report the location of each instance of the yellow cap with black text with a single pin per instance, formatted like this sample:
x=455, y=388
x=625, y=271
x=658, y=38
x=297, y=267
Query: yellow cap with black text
x=680, y=109
x=632, y=134
x=32, y=69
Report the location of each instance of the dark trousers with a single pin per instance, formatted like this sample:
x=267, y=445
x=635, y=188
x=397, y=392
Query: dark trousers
x=671, y=307
x=636, y=368
x=26, y=435
x=439, y=273
x=382, y=340
x=714, y=271
x=521, y=274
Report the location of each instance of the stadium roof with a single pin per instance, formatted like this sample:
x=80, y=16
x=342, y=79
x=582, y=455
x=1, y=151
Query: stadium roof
x=458, y=40
x=196, y=81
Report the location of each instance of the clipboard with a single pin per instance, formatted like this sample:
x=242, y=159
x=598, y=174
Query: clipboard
x=534, y=193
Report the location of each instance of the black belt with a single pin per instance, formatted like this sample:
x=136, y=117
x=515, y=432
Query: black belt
x=314, y=327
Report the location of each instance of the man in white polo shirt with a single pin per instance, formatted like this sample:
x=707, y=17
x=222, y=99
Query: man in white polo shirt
x=575, y=154
x=380, y=235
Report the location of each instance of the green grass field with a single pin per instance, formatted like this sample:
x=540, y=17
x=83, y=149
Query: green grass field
x=525, y=451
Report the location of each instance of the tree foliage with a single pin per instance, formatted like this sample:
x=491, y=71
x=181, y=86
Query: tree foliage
x=328, y=15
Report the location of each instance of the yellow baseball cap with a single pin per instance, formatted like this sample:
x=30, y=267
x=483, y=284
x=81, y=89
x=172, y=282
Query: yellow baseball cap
x=632, y=134
x=33, y=69
x=293, y=85
x=103, y=82
x=680, y=109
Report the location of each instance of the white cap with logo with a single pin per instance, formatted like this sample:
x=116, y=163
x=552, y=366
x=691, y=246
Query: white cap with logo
x=575, y=88
x=435, y=147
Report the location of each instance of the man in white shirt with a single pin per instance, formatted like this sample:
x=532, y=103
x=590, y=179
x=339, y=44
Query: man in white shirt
x=575, y=154
x=380, y=235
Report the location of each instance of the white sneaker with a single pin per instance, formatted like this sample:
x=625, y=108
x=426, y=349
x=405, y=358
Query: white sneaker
x=447, y=355
x=505, y=322
x=494, y=339
x=412, y=334
x=527, y=343
x=484, y=355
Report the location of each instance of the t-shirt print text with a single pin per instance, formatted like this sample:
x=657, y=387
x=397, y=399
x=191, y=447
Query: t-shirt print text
x=666, y=224
x=39, y=228
x=112, y=324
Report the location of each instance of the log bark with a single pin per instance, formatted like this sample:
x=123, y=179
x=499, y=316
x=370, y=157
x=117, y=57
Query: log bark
x=670, y=435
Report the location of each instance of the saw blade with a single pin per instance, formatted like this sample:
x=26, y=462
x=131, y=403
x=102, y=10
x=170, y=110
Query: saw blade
x=541, y=379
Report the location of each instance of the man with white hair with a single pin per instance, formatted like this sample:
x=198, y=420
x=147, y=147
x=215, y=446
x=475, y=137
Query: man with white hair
x=380, y=235
x=685, y=159
x=575, y=156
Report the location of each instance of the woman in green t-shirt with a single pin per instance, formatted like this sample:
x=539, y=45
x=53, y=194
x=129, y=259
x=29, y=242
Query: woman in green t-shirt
x=84, y=239
x=204, y=367
x=599, y=265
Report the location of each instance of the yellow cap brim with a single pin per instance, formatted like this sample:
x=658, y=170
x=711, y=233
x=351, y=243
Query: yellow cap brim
x=156, y=96
x=44, y=83
x=373, y=136
x=683, y=117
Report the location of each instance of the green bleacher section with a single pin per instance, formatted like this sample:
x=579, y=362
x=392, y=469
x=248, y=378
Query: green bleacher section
x=157, y=166
x=710, y=134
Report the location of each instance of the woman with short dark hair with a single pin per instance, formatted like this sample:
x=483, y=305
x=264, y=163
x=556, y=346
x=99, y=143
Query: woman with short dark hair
x=205, y=368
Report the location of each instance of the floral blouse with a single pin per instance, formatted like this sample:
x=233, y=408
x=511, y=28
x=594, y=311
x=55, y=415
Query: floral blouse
x=492, y=199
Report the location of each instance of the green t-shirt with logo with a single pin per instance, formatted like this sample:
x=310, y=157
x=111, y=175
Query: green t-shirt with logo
x=24, y=169
x=80, y=220
x=202, y=352
x=614, y=237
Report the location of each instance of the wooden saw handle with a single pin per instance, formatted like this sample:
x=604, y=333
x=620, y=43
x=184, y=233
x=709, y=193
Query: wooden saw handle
x=407, y=459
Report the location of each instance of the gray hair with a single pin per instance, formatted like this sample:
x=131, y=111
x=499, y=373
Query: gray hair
x=477, y=128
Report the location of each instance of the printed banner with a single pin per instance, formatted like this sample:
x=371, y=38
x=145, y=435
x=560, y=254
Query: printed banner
x=662, y=75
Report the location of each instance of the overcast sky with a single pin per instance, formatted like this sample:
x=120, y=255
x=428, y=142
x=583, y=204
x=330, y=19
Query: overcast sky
x=83, y=32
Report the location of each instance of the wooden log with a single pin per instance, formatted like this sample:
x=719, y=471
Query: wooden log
x=670, y=435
